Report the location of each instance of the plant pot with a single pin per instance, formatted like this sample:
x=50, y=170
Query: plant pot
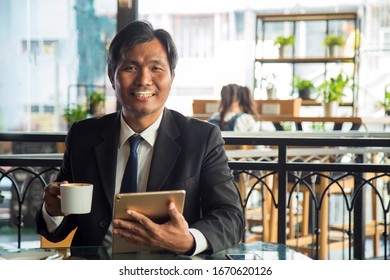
x=271, y=93
x=96, y=110
x=281, y=51
x=333, y=51
x=304, y=94
x=330, y=109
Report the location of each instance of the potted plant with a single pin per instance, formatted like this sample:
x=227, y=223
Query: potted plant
x=333, y=40
x=270, y=86
x=303, y=86
x=72, y=115
x=281, y=42
x=386, y=103
x=96, y=103
x=331, y=92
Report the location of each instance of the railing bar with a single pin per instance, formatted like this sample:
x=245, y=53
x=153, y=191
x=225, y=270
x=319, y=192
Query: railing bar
x=32, y=137
x=31, y=162
x=282, y=193
x=385, y=168
x=312, y=142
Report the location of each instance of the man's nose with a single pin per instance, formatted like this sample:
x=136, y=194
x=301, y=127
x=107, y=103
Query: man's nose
x=144, y=77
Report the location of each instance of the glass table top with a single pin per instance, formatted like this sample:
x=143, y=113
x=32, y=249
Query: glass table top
x=265, y=251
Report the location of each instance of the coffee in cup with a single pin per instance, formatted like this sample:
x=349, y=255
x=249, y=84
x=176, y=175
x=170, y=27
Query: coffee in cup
x=76, y=198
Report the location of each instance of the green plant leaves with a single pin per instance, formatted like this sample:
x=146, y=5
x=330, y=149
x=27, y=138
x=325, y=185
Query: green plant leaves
x=333, y=88
x=78, y=113
x=284, y=41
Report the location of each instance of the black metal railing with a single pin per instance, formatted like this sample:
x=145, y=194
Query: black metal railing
x=277, y=184
x=363, y=173
x=31, y=164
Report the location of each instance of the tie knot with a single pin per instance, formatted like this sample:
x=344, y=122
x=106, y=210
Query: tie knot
x=134, y=140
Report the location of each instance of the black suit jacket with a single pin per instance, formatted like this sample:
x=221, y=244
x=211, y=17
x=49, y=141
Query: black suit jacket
x=188, y=154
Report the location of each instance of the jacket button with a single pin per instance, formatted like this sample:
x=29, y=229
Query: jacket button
x=102, y=224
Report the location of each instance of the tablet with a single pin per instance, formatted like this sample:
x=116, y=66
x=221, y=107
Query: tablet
x=154, y=205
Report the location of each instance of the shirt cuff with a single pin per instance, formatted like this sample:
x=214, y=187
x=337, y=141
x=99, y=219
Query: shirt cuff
x=52, y=222
x=201, y=243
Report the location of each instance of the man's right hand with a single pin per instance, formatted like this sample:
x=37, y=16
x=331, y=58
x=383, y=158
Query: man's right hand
x=52, y=198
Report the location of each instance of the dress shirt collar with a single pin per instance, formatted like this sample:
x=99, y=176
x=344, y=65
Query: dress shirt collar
x=149, y=134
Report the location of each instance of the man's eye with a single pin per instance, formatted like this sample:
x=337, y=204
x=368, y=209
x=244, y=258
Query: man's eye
x=157, y=69
x=130, y=68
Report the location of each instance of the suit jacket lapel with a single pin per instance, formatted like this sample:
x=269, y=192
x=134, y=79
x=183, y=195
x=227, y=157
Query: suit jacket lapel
x=106, y=155
x=166, y=151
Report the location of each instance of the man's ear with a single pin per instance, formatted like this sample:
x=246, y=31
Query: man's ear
x=111, y=77
x=172, y=76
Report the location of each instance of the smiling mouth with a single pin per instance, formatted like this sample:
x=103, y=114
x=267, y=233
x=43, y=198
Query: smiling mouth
x=143, y=94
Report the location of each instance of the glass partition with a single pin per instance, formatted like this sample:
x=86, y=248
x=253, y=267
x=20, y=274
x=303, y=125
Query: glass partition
x=50, y=48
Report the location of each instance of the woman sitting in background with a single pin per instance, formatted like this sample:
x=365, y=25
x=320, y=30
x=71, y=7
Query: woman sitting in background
x=237, y=110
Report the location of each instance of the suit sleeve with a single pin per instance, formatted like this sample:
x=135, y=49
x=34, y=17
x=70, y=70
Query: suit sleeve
x=223, y=220
x=68, y=224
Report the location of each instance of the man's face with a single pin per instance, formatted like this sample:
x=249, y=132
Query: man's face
x=142, y=81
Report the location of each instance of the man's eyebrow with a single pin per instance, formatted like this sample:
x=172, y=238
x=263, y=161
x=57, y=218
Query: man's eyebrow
x=159, y=61
x=128, y=61
x=152, y=61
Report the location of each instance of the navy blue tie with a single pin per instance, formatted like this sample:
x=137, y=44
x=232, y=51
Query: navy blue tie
x=129, y=181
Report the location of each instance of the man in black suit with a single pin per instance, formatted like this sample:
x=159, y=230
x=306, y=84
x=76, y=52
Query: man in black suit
x=176, y=153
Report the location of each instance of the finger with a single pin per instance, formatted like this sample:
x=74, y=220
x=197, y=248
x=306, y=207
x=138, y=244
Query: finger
x=53, y=210
x=174, y=213
x=53, y=207
x=127, y=236
x=53, y=189
x=129, y=231
x=49, y=194
x=51, y=197
x=128, y=226
x=58, y=185
x=140, y=219
x=122, y=224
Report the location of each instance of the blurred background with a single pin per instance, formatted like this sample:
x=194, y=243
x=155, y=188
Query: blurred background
x=53, y=52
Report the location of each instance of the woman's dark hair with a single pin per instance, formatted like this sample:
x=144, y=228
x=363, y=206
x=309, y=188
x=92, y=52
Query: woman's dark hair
x=231, y=93
x=247, y=103
x=135, y=33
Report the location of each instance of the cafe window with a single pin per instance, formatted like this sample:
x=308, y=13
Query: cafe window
x=51, y=46
x=193, y=34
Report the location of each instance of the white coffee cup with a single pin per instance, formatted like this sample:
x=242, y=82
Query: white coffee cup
x=76, y=198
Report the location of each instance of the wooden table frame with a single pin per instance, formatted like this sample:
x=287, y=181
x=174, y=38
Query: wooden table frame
x=357, y=122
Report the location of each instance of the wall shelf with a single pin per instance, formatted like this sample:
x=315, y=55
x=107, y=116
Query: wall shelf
x=308, y=58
